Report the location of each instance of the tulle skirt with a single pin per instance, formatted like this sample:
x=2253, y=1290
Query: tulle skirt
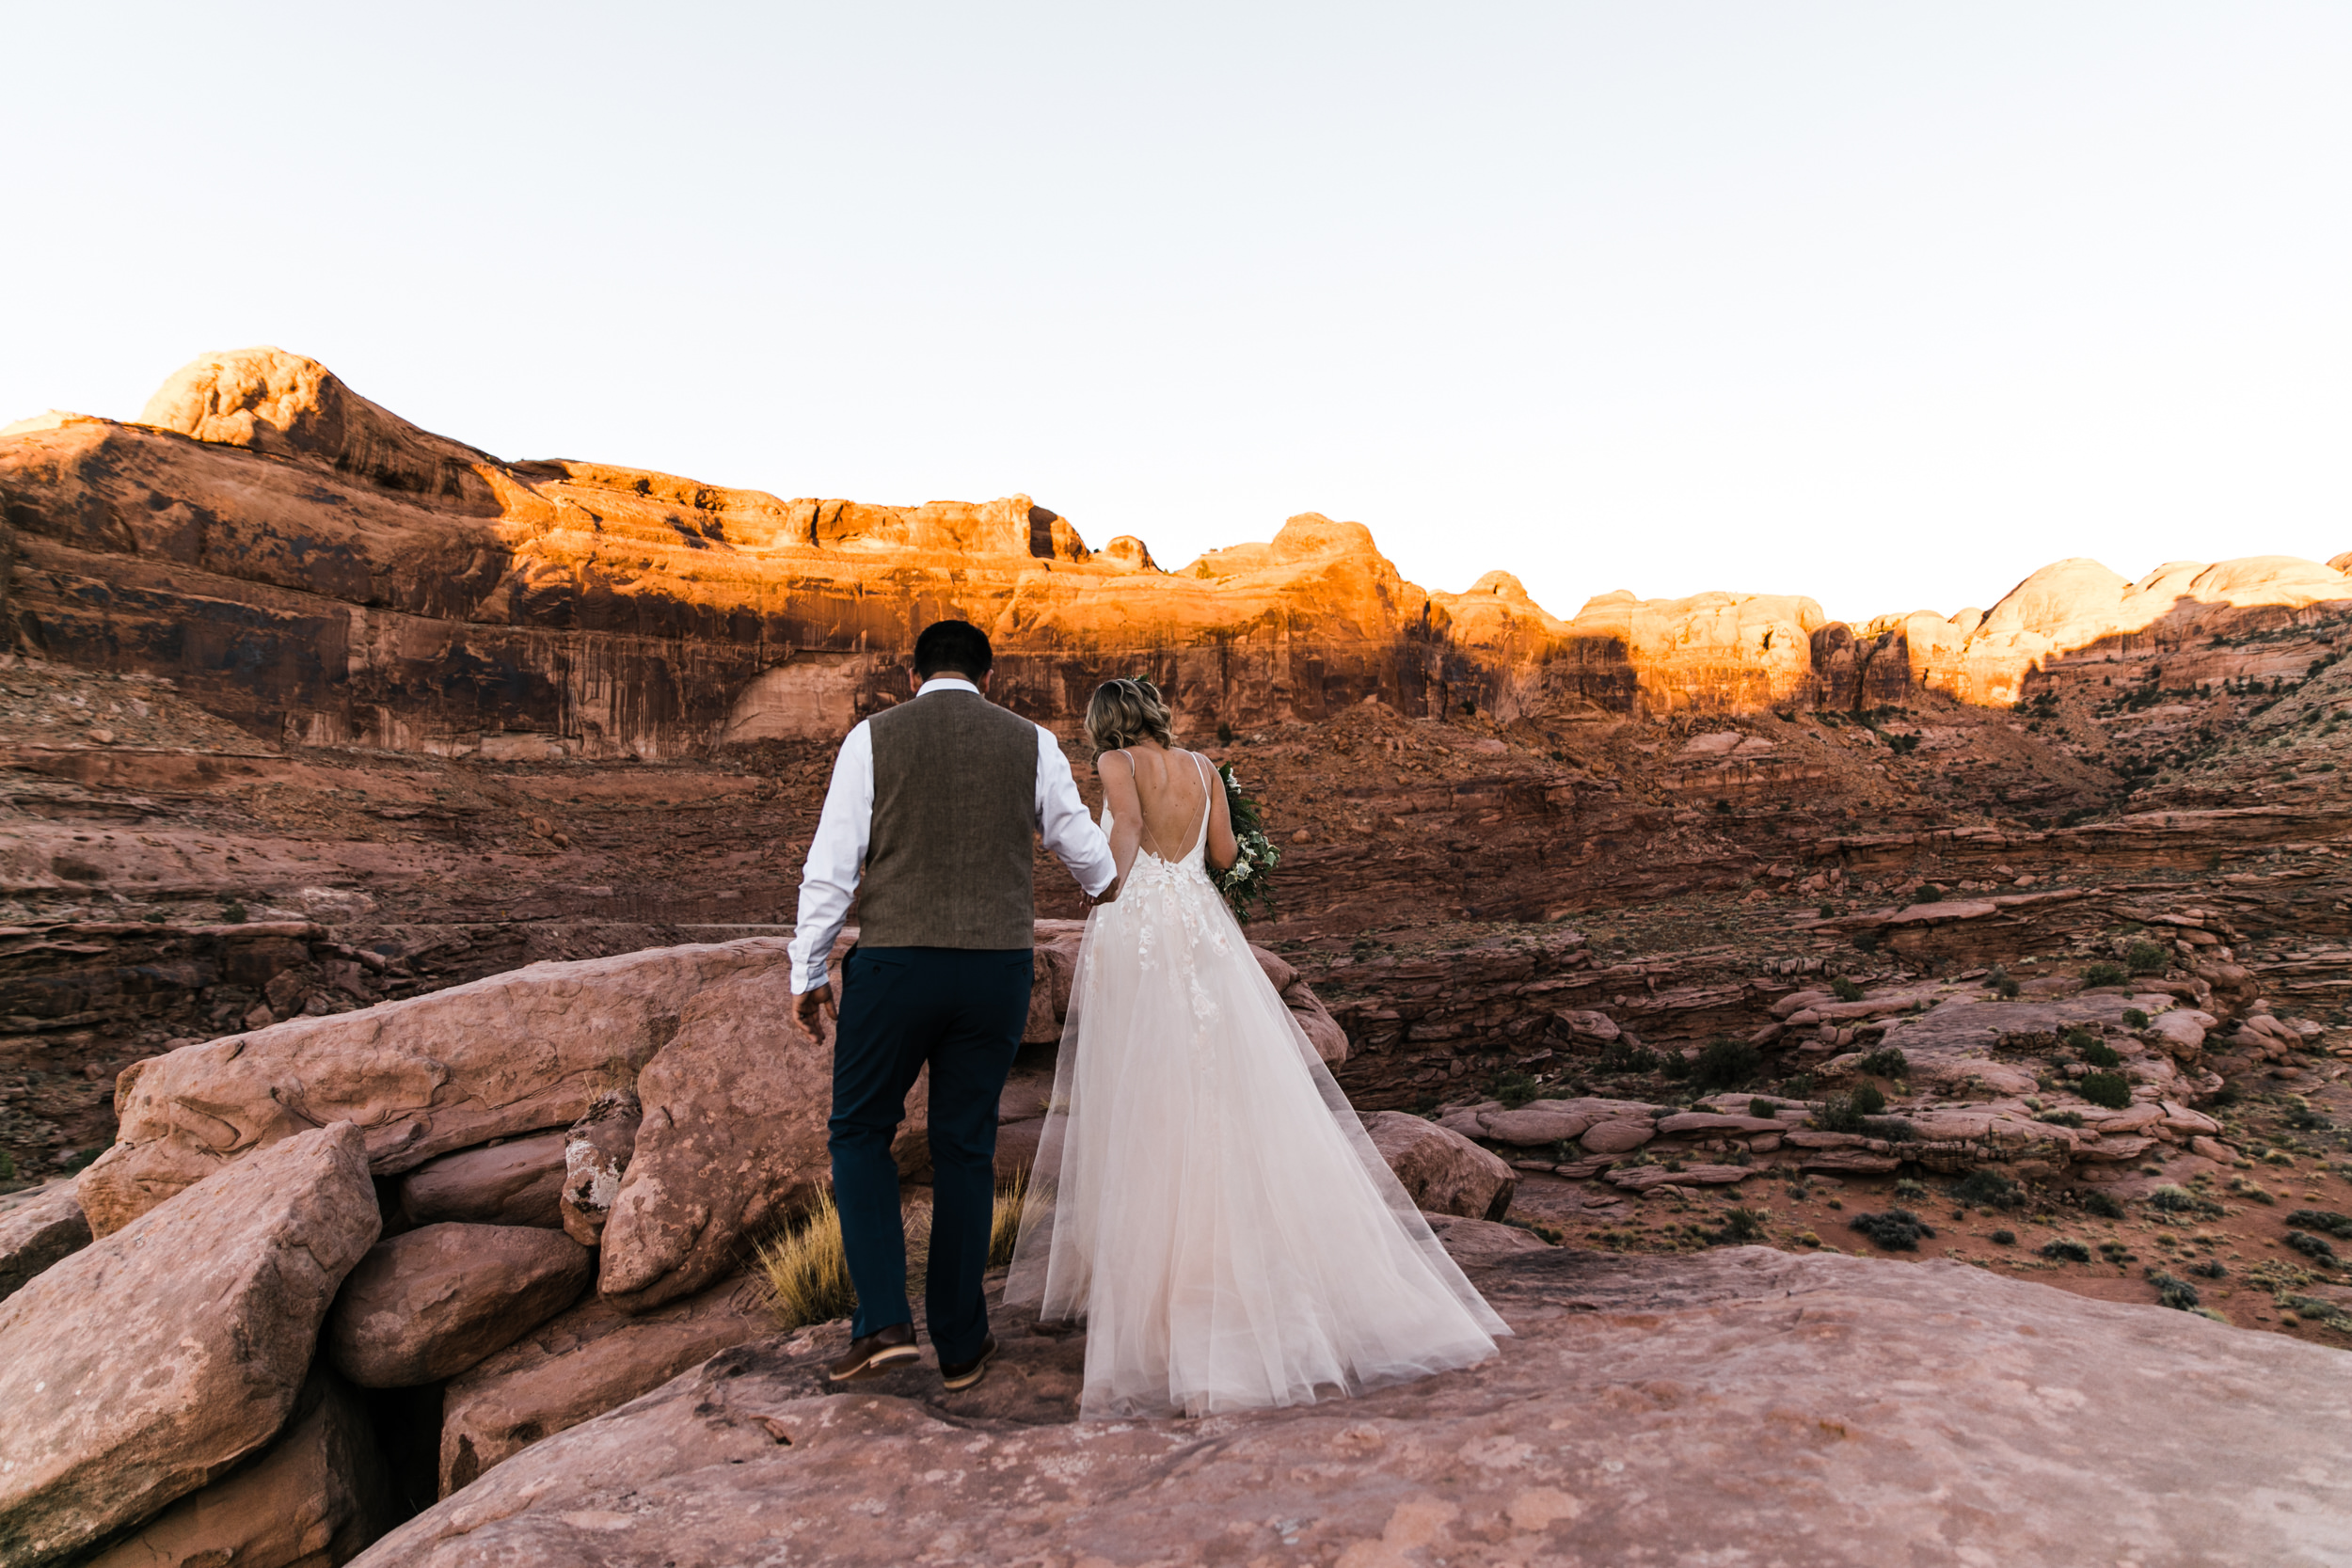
x=1206, y=1199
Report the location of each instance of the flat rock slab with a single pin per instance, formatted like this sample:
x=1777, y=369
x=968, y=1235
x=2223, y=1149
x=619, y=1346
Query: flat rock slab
x=427, y=1305
x=1737, y=1406
x=1641, y=1178
x=148, y=1363
x=45, y=1225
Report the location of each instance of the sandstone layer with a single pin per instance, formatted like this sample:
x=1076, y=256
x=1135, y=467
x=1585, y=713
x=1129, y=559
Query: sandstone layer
x=321, y=571
x=1701, y=1408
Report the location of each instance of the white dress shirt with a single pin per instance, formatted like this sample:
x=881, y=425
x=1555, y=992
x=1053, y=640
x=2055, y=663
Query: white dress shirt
x=837, y=857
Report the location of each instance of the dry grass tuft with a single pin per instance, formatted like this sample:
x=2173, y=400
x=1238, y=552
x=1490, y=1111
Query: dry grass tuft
x=808, y=1272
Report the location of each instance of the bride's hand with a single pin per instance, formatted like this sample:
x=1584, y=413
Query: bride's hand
x=1110, y=894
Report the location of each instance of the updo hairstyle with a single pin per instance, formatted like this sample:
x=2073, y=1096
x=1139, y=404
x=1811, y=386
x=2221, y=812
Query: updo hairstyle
x=1125, y=711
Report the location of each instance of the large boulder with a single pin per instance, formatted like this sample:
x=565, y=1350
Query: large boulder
x=428, y=1304
x=1694, y=1409
x=516, y=1052
x=733, y=1141
x=316, y=1499
x=514, y=1182
x=45, y=1225
x=147, y=1364
x=583, y=1363
x=1443, y=1172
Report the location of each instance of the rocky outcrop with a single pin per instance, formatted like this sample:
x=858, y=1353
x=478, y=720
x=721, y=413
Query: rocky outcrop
x=127, y=1390
x=596, y=1152
x=427, y=1305
x=1683, y=1409
x=733, y=1141
x=36, y=1230
x=1441, y=1171
x=316, y=1499
x=514, y=1054
x=583, y=1363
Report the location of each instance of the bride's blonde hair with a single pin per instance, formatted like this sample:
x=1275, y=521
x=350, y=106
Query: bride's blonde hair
x=1124, y=711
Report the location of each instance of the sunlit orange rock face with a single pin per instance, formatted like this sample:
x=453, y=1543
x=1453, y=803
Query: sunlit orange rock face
x=319, y=569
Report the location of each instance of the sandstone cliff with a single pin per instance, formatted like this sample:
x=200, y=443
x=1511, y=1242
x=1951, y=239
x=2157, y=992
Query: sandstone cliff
x=320, y=571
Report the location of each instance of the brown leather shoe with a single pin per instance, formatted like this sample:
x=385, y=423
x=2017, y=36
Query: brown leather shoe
x=875, y=1353
x=964, y=1374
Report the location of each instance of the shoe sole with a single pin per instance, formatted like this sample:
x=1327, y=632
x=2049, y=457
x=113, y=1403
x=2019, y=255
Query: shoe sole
x=880, y=1361
x=964, y=1379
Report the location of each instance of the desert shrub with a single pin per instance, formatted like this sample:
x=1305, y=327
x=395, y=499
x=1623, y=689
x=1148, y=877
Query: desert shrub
x=1929, y=894
x=1897, y=1231
x=2065, y=1252
x=1759, y=1106
x=1726, y=1064
x=807, y=1270
x=2173, y=1292
x=2110, y=1089
x=1988, y=1189
x=8, y=1166
x=1995, y=977
x=1868, y=1100
x=2250, y=1192
x=2104, y=1205
x=2099, y=1053
x=1915, y=1192
x=2060, y=1118
x=1886, y=1062
x=1894, y=1130
x=1674, y=1066
x=1799, y=1085
x=2312, y=1246
x=1825, y=910
x=2008, y=989
x=2004, y=1238
x=232, y=912
x=2116, y=1252
x=2337, y=1226
x=1865, y=942
x=1514, y=1089
x=1844, y=990
x=1743, y=1224
x=2209, y=1268
x=2147, y=958
x=2173, y=1199
x=1628, y=1055
x=2134, y=1018
x=2105, y=974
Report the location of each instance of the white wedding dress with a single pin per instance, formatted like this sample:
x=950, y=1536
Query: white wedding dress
x=1205, y=1199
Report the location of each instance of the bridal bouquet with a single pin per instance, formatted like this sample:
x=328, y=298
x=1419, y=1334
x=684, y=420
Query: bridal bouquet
x=1251, y=879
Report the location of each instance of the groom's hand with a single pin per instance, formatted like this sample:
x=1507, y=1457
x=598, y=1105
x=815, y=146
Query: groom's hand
x=806, y=1007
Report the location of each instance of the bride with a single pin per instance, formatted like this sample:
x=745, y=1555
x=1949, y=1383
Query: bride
x=1203, y=1196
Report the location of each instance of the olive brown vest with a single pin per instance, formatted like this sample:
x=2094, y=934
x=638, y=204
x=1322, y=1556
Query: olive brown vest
x=949, y=861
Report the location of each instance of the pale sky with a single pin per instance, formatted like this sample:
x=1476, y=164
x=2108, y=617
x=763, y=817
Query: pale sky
x=1884, y=304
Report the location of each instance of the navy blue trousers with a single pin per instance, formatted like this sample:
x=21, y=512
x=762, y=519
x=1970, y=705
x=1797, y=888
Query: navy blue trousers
x=961, y=1011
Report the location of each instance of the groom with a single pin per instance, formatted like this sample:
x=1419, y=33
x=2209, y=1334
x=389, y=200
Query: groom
x=929, y=819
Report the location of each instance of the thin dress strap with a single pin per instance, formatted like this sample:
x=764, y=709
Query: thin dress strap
x=1208, y=803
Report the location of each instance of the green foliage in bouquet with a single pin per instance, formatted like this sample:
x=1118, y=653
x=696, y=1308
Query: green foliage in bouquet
x=1250, y=883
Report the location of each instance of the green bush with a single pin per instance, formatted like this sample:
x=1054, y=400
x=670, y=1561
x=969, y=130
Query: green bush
x=8, y=1166
x=2008, y=989
x=232, y=912
x=2099, y=1053
x=1626, y=1055
x=1726, y=1064
x=1759, y=1106
x=2110, y=1089
x=2337, y=1226
x=1743, y=1224
x=2104, y=1205
x=2173, y=1199
x=1894, y=1130
x=1514, y=1089
x=2107, y=974
x=2210, y=1267
x=1844, y=990
x=2134, y=1019
x=1929, y=894
x=2004, y=1238
x=2172, y=1291
x=1673, y=1064
x=2311, y=1247
x=2065, y=1252
x=2060, y=1118
x=1910, y=1190
x=2147, y=958
x=1886, y=1062
x=1868, y=1100
x=1825, y=910
x=1897, y=1231
x=1988, y=1189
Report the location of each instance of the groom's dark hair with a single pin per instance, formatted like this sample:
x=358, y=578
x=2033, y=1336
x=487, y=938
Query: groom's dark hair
x=952, y=647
